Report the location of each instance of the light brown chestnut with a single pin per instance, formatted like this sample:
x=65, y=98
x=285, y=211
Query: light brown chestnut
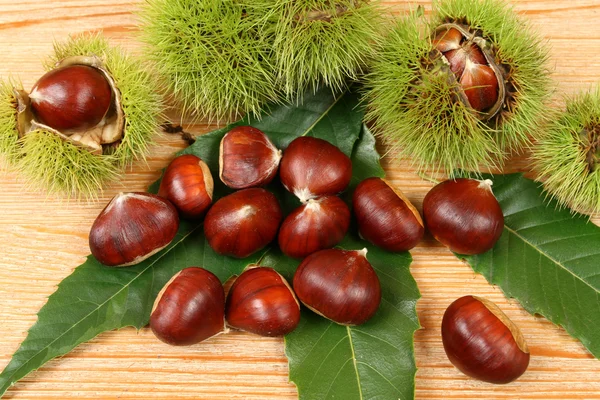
x=340, y=285
x=131, y=228
x=243, y=222
x=385, y=216
x=260, y=301
x=188, y=184
x=190, y=308
x=312, y=167
x=247, y=158
x=482, y=342
x=319, y=224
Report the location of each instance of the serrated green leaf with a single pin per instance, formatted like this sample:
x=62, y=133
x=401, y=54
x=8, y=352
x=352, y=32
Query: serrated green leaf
x=547, y=258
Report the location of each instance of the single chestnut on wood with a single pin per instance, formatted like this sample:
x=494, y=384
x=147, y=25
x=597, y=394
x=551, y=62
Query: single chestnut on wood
x=260, y=301
x=247, y=158
x=75, y=97
x=482, y=342
x=131, y=228
x=464, y=215
x=340, y=285
x=319, y=224
x=385, y=216
x=190, y=308
x=313, y=167
x=188, y=184
x=243, y=222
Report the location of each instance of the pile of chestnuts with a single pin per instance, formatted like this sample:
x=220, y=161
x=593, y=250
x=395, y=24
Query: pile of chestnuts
x=340, y=285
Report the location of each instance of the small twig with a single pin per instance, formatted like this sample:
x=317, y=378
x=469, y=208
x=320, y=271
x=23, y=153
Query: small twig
x=178, y=129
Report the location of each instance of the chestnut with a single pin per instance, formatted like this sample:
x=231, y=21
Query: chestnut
x=312, y=167
x=190, y=308
x=464, y=215
x=75, y=97
x=385, y=216
x=319, y=224
x=247, y=158
x=243, y=222
x=260, y=301
x=131, y=228
x=188, y=184
x=482, y=342
x=340, y=285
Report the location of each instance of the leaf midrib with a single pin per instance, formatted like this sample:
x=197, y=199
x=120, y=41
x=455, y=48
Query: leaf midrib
x=326, y=112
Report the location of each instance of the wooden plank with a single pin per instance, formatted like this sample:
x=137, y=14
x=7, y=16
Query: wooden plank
x=42, y=239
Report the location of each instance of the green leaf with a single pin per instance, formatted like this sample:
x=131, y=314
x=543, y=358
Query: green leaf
x=547, y=258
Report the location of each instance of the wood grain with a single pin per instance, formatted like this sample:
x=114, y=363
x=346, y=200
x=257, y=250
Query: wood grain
x=43, y=238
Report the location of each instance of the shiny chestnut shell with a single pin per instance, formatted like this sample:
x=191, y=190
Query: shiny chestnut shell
x=319, y=224
x=188, y=184
x=189, y=309
x=482, y=342
x=312, y=167
x=131, y=228
x=75, y=97
x=464, y=215
x=385, y=216
x=243, y=222
x=260, y=301
x=340, y=285
x=247, y=158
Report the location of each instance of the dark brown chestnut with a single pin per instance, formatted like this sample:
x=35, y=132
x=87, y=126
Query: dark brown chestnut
x=385, y=216
x=188, y=184
x=482, y=342
x=243, y=222
x=190, y=308
x=76, y=97
x=260, y=301
x=340, y=285
x=319, y=224
x=131, y=228
x=247, y=158
x=312, y=167
x=464, y=215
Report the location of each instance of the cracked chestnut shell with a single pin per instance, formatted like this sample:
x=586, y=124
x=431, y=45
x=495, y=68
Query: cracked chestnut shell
x=243, y=222
x=260, y=301
x=340, y=285
x=482, y=342
x=385, y=216
x=319, y=224
x=188, y=184
x=464, y=215
x=190, y=308
x=131, y=228
x=312, y=167
x=247, y=158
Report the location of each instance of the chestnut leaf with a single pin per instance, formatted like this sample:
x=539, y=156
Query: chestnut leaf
x=547, y=258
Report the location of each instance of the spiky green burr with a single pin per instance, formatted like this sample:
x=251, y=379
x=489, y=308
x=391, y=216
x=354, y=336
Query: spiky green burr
x=419, y=106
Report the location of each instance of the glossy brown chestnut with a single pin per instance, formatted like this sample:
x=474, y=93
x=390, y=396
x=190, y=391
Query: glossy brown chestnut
x=340, y=285
x=247, y=158
x=131, y=228
x=313, y=167
x=243, y=222
x=260, y=301
x=190, y=308
x=385, y=216
x=71, y=98
x=482, y=342
x=319, y=224
x=464, y=215
x=188, y=184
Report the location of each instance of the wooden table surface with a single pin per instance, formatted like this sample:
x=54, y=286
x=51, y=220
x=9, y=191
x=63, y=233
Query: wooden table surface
x=43, y=238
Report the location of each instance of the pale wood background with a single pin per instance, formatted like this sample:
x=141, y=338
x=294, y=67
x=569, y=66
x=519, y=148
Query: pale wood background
x=42, y=239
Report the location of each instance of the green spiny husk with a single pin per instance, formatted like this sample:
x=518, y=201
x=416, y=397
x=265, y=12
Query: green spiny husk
x=212, y=56
x=415, y=108
x=565, y=159
x=9, y=135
